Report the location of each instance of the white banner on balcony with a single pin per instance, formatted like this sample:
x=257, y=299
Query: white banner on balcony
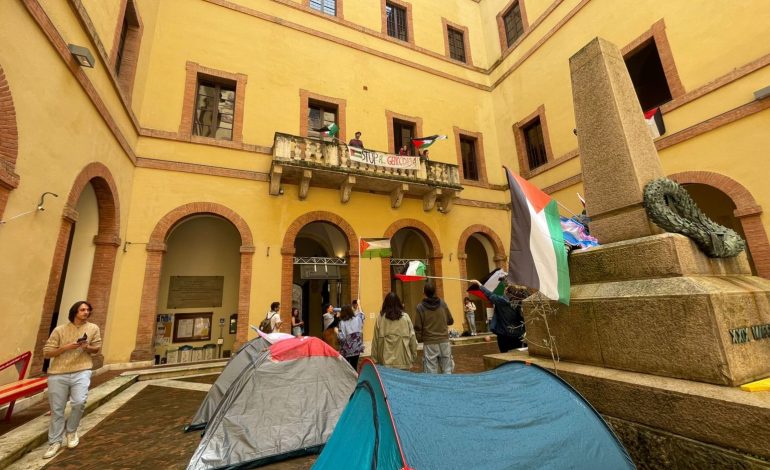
x=405, y=162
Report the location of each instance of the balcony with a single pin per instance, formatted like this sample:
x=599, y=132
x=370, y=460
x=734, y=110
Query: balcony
x=310, y=162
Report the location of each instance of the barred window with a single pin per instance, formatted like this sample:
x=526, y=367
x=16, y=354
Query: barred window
x=514, y=26
x=456, y=44
x=325, y=6
x=396, y=21
x=533, y=138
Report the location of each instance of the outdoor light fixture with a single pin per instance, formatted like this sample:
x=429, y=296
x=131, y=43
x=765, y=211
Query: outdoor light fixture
x=82, y=55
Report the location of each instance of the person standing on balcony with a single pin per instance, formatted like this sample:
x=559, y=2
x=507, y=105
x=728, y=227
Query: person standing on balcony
x=70, y=346
x=356, y=141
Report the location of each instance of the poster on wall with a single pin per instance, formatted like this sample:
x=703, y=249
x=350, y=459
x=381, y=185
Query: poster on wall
x=192, y=327
x=195, y=291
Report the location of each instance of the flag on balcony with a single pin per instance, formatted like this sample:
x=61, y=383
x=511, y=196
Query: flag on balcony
x=414, y=271
x=375, y=247
x=654, y=120
x=492, y=281
x=329, y=130
x=538, y=257
x=425, y=142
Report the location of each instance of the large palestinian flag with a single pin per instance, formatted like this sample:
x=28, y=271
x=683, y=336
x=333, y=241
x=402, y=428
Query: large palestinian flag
x=538, y=258
x=375, y=247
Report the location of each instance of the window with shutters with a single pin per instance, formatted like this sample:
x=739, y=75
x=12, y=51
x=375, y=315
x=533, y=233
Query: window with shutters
x=319, y=115
x=324, y=6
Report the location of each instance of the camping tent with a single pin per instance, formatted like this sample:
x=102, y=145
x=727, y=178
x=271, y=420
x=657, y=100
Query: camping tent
x=285, y=403
x=516, y=416
x=234, y=368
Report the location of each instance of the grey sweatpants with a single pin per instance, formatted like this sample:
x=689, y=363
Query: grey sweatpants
x=437, y=356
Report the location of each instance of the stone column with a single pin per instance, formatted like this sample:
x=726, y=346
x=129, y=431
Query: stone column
x=617, y=154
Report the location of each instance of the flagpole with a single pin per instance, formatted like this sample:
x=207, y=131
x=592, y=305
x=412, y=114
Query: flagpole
x=448, y=278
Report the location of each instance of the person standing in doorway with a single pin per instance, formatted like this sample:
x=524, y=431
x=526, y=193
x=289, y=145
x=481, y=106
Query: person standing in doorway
x=432, y=328
x=394, y=343
x=350, y=333
x=470, y=315
x=507, y=320
x=296, y=322
x=69, y=376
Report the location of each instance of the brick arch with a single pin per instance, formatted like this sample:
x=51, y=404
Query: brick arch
x=156, y=247
x=107, y=241
x=434, y=252
x=747, y=211
x=288, y=250
x=489, y=234
x=9, y=143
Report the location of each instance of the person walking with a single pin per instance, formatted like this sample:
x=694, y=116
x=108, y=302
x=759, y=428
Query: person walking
x=507, y=320
x=296, y=322
x=70, y=346
x=350, y=333
x=394, y=343
x=432, y=328
x=330, y=321
x=273, y=317
x=470, y=315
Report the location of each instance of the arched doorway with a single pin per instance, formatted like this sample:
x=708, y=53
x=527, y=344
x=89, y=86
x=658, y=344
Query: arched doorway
x=321, y=273
x=194, y=235
x=479, y=252
x=84, y=258
x=731, y=204
x=198, y=293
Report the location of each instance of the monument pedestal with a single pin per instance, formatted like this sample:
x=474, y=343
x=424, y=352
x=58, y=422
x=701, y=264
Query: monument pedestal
x=658, y=305
x=670, y=423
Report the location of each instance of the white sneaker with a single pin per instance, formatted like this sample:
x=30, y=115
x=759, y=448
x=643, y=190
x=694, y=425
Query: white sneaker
x=73, y=440
x=52, y=450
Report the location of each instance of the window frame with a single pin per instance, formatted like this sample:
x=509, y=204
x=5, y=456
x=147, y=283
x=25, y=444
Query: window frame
x=306, y=97
x=125, y=47
x=218, y=84
x=519, y=130
x=504, y=43
x=337, y=8
x=391, y=117
x=447, y=26
x=193, y=70
x=481, y=169
x=409, y=23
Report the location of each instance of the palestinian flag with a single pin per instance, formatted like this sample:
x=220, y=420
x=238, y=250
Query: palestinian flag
x=492, y=281
x=375, y=247
x=654, y=120
x=414, y=271
x=538, y=258
x=329, y=130
x=425, y=142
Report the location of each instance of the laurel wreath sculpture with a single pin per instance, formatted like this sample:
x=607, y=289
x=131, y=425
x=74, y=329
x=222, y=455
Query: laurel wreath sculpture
x=670, y=206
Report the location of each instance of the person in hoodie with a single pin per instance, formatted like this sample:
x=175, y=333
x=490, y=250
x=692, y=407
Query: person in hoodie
x=431, y=326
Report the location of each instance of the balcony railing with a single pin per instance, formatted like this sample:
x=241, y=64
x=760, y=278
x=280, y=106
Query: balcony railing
x=314, y=162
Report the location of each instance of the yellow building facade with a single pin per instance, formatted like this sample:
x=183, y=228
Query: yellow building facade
x=179, y=185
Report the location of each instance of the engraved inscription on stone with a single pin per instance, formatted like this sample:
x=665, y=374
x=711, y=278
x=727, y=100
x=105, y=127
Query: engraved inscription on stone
x=195, y=291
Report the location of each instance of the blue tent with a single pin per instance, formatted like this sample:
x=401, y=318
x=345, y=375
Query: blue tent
x=516, y=416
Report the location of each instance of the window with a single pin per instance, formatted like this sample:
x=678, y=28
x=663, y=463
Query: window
x=325, y=6
x=396, y=20
x=320, y=114
x=403, y=133
x=513, y=24
x=647, y=75
x=214, y=108
x=535, y=144
x=456, y=44
x=126, y=50
x=469, y=161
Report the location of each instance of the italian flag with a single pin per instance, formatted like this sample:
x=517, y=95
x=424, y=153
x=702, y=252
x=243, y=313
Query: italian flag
x=375, y=247
x=414, y=271
x=538, y=257
x=425, y=142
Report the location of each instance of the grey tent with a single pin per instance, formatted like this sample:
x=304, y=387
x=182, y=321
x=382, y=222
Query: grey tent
x=285, y=403
x=234, y=368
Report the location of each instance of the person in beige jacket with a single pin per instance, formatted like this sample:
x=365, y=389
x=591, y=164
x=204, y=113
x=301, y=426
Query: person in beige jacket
x=394, y=343
x=69, y=376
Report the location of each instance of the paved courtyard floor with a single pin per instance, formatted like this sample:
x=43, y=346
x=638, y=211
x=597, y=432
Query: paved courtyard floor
x=141, y=428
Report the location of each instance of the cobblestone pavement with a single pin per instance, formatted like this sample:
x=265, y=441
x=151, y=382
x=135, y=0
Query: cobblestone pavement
x=146, y=431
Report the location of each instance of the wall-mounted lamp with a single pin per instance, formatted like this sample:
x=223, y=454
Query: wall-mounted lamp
x=38, y=208
x=82, y=55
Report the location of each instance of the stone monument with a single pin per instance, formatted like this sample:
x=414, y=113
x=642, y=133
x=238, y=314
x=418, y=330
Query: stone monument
x=652, y=303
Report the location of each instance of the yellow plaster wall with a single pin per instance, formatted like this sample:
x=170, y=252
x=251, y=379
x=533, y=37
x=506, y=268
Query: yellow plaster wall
x=104, y=16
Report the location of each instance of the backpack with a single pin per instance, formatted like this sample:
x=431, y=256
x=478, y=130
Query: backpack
x=267, y=326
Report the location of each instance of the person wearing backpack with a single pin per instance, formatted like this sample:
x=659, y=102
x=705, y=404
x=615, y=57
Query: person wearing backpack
x=272, y=321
